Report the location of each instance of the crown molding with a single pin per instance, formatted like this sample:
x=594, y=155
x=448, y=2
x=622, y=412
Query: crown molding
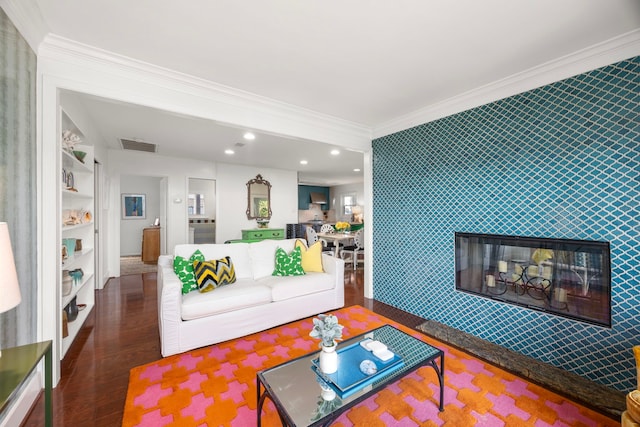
x=26, y=16
x=56, y=51
x=599, y=55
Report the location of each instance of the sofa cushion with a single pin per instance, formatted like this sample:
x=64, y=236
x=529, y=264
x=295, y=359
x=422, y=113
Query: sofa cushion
x=213, y=274
x=283, y=288
x=183, y=267
x=288, y=264
x=263, y=255
x=311, y=257
x=239, y=253
x=244, y=293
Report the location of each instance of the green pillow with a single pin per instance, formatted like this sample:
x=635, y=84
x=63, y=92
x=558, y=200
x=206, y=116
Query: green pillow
x=184, y=270
x=288, y=265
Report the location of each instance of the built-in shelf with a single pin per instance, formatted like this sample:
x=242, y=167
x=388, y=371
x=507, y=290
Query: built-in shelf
x=76, y=226
x=80, y=176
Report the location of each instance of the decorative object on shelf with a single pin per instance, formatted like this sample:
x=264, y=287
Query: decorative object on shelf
x=133, y=206
x=71, y=217
x=342, y=227
x=78, y=247
x=67, y=283
x=262, y=223
x=76, y=275
x=328, y=330
x=70, y=181
x=9, y=286
x=69, y=140
x=65, y=325
x=86, y=217
x=80, y=155
x=70, y=245
x=72, y=310
x=65, y=254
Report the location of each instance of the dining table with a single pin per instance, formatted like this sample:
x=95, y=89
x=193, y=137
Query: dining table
x=338, y=238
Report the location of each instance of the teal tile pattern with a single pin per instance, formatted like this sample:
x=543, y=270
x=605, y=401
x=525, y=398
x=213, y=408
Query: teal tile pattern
x=563, y=161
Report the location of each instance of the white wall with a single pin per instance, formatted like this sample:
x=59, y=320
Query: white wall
x=231, y=188
x=131, y=229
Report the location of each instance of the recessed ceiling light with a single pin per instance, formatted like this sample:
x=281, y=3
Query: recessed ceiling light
x=249, y=136
x=356, y=170
x=303, y=162
x=229, y=152
x=335, y=152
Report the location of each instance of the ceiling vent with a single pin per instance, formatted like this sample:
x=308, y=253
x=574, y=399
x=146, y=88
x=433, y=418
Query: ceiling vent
x=131, y=144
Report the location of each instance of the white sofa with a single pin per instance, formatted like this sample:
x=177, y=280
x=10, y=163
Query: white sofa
x=255, y=302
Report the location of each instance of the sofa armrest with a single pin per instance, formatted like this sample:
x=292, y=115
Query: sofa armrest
x=169, y=306
x=335, y=267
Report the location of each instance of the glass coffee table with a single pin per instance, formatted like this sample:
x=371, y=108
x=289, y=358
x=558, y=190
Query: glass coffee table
x=306, y=398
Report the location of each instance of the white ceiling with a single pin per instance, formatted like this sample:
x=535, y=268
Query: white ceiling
x=364, y=61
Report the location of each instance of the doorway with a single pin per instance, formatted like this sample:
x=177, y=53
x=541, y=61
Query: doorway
x=201, y=205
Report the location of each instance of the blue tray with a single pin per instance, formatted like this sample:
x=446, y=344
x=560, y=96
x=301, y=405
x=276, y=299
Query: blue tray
x=348, y=378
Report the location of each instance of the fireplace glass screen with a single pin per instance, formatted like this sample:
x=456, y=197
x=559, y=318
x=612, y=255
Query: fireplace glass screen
x=570, y=278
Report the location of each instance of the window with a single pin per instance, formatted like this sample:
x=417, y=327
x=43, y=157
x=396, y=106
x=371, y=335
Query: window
x=196, y=204
x=348, y=202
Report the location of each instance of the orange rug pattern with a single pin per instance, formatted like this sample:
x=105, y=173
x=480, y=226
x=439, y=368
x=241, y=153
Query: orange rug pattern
x=216, y=386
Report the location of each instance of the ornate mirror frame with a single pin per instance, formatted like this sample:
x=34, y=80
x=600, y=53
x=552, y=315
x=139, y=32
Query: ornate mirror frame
x=258, y=192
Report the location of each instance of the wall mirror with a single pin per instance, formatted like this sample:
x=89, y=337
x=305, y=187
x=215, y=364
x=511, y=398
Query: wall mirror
x=258, y=198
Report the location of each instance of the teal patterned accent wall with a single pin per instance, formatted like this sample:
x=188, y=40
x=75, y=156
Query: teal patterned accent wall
x=18, y=176
x=559, y=161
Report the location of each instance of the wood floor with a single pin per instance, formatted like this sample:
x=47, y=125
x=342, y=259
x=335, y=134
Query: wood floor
x=122, y=332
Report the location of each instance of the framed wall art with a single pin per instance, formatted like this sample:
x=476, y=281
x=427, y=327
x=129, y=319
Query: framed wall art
x=133, y=206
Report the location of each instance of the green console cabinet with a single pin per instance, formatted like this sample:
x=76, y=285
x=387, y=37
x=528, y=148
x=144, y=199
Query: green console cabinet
x=257, y=234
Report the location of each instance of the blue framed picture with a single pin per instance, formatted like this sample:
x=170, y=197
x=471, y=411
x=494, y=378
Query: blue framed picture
x=133, y=206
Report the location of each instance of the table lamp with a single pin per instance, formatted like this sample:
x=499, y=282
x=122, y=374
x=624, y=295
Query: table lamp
x=9, y=287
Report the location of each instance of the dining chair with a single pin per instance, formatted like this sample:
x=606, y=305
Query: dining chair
x=328, y=228
x=312, y=237
x=351, y=253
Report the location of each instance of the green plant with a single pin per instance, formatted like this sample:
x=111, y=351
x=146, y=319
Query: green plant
x=327, y=328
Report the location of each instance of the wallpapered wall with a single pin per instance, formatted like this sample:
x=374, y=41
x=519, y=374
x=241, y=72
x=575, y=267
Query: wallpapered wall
x=18, y=177
x=559, y=161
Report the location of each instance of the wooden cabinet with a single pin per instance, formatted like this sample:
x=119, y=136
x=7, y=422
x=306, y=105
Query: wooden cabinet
x=150, y=245
x=257, y=234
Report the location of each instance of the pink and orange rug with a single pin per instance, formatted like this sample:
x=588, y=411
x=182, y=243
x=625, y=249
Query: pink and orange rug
x=216, y=386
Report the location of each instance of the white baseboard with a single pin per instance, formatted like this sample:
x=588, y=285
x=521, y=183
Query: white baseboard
x=22, y=404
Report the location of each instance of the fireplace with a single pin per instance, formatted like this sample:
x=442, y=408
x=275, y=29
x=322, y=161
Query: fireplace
x=569, y=278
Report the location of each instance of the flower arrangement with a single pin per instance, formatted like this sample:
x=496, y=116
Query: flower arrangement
x=327, y=328
x=342, y=226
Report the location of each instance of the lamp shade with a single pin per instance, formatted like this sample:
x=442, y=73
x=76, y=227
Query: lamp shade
x=9, y=287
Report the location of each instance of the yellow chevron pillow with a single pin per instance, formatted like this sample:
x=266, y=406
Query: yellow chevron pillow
x=312, y=257
x=213, y=274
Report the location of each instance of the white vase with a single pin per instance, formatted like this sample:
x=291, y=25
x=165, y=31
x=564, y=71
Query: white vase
x=329, y=359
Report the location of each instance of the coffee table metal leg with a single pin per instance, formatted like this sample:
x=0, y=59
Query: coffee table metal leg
x=440, y=372
x=261, y=398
